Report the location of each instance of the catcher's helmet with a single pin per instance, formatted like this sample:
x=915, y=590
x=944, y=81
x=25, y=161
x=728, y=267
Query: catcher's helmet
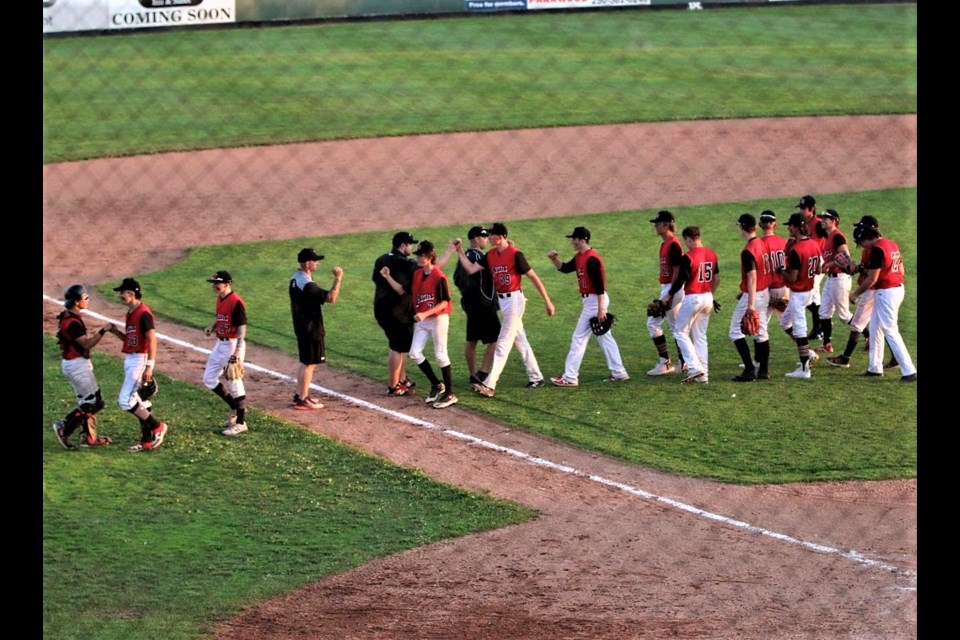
x=74, y=294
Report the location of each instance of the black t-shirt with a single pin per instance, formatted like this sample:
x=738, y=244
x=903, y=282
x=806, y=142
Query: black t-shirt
x=306, y=305
x=401, y=270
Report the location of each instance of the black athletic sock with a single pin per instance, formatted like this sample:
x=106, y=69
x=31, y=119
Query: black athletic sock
x=852, y=341
x=428, y=371
x=660, y=342
x=814, y=310
x=447, y=378
x=763, y=356
x=744, y=350
x=826, y=327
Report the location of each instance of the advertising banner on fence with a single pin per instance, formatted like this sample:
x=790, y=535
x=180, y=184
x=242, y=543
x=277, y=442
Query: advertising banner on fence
x=495, y=5
x=97, y=15
x=582, y=4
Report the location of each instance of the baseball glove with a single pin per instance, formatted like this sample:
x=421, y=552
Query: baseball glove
x=600, y=328
x=750, y=323
x=234, y=369
x=844, y=263
x=148, y=389
x=779, y=304
x=657, y=309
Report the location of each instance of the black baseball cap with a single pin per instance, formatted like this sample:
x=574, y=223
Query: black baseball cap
x=768, y=216
x=308, y=254
x=868, y=221
x=663, y=216
x=426, y=248
x=498, y=229
x=477, y=232
x=403, y=237
x=829, y=213
x=806, y=202
x=220, y=276
x=128, y=284
x=797, y=220
x=869, y=233
x=747, y=221
x=581, y=233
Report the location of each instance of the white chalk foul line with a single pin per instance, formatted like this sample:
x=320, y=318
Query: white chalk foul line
x=851, y=555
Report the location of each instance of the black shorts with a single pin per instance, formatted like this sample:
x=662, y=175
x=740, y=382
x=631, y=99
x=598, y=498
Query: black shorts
x=311, y=349
x=399, y=334
x=483, y=325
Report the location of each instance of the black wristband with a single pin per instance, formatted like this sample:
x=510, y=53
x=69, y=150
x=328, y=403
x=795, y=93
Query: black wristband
x=102, y=331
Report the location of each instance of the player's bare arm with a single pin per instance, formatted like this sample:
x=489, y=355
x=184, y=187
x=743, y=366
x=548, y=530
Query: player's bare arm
x=535, y=279
x=396, y=286
x=334, y=292
x=469, y=267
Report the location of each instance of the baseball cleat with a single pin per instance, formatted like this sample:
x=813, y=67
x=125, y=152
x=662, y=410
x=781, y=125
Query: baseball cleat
x=663, y=369
x=871, y=374
x=483, y=390
x=231, y=419
x=235, y=429
x=756, y=365
x=909, y=378
x=62, y=439
x=824, y=348
x=477, y=379
x=408, y=383
x=693, y=377
x=799, y=372
x=893, y=364
x=745, y=377
x=814, y=357
x=158, y=434
x=306, y=404
x=536, y=384
x=613, y=378
x=560, y=381
x=445, y=400
x=839, y=361
x=436, y=391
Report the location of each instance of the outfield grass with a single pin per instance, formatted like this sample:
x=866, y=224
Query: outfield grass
x=778, y=431
x=150, y=92
x=166, y=544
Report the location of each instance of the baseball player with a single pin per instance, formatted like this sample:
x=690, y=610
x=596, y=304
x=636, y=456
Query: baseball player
x=592, y=283
x=835, y=296
x=508, y=265
x=753, y=296
x=230, y=328
x=884, y=274
x=815, y=231
x=394, y=312
x=699, y=278
x=140, y=346
x=860, y=322
x=479, y=303
x=75, y=345
x=802, y=265
x=670, y=254
x=306, y=308
x=775, y=261
x=431, y=316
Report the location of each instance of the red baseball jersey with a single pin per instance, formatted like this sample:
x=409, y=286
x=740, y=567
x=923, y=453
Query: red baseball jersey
x=806, y=258
x=703, y=266
x=139, y=322
x=583, y=280
x=668, y=248
x=834, y=239
x=71, y=327
x=891, y=269
x=756, y=248
x=775, y=257
x=503, y=267
x=231, y=314
x=429, y=290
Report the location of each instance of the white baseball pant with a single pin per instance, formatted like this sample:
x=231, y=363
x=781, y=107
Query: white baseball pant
x=512, y=334
x=79, y=373
x=219, y=357
x=861, y=317
x=693, y=319
x=437, y=328
x=655, y=325
x=581, y=336
x=884, y=323
x=133, y=366
x=761, y=302
x=794, y=318
x=776, y=293
x=836, y=298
